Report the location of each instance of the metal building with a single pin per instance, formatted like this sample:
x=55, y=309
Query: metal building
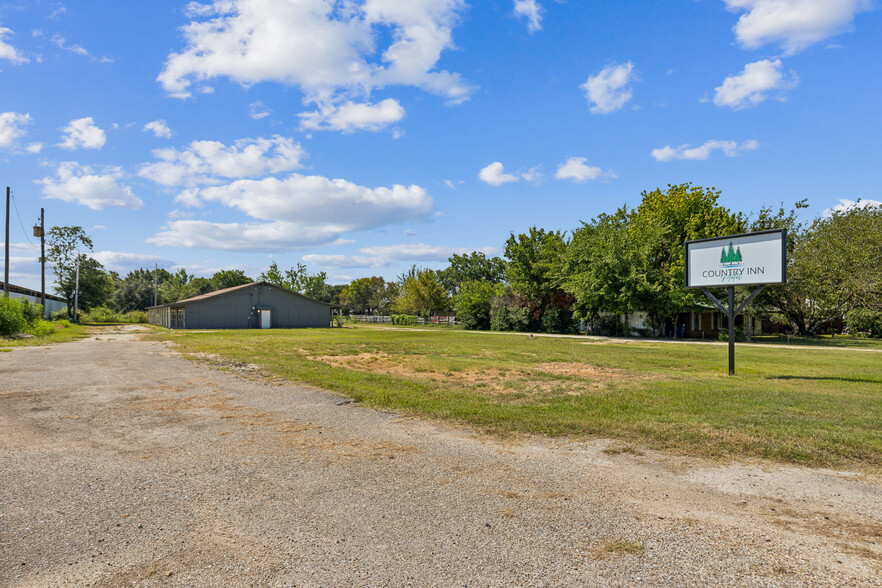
x=259, y=305
x=53, y=303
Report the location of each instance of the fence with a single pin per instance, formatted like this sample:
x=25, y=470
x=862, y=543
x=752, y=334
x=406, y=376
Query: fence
x=449, y=320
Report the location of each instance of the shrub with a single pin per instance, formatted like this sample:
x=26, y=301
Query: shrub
x=740, y=337
x=404, y=319
x=559, y=320
x=102, y=314
x=508, y=317
x=41, y=328
x=32, y=312
x=472, y=303
x=12, y=318
x=864, y=322
x=62, y=323
x=59, y=315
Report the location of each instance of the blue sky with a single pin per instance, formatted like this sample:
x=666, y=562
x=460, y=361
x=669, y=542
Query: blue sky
x=363, y=136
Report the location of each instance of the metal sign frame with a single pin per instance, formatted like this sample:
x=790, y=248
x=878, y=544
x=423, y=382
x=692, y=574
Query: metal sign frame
x=783, y=233
x=730, y=310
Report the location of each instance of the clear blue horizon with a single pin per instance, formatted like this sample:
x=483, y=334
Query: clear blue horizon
x=360, y=138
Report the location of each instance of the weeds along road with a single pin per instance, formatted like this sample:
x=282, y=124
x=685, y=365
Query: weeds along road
x=122, y=463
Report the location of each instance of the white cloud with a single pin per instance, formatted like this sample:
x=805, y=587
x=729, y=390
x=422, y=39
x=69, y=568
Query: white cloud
x=845, y=205
x=333, y=51
x=609, y=90
x=272, y=237
x=389, y=255
x=257, y=110
x=34, y=148
x=351, y=116
x=793, y=24
x=61, y=43
x=702, y=152
x=126, y=262
x=494, y=175
x=208, y=162
x=343, y=261
x=82, y=132
x=576, y=169
x=159, y=128
x=300, y=211
x=11, y=124
x=532, y=11
x=77, y=183
x=752, y=85
x=7, y=51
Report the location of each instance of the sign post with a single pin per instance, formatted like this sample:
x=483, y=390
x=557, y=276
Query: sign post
x=749, y=259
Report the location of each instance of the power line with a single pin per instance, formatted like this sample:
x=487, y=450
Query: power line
x=15, y=204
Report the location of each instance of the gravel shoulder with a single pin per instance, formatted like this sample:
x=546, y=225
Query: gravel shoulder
x=123, y=463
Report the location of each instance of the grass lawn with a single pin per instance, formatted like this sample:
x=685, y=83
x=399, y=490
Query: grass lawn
x=822, y=341
x=62, y=335
x=812, y=406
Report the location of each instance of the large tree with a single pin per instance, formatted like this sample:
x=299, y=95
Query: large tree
x=136, y=290
x=421, y=293
x=834, y=266
x=681, y=213
x=634, y=259
x=369, y=296
x=605, y=265
x=472, y=303
x=474, y=267
x=68, y=247
x=229, y=279
x=182, y=285
x=533, y=261
x=297, y=279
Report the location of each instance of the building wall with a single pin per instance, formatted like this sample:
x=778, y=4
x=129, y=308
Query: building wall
x=51, y=305
x=237, y=310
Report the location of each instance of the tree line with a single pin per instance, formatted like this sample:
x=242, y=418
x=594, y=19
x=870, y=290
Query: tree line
x=627, y=261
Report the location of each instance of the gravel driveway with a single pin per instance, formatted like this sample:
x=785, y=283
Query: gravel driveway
x=124, y=464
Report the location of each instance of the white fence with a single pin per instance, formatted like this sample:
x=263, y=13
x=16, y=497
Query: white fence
x=449, y=320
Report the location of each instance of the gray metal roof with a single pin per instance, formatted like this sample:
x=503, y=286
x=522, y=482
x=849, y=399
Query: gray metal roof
x=242, y=287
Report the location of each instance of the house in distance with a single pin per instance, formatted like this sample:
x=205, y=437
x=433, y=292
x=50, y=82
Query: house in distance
x=259, y=305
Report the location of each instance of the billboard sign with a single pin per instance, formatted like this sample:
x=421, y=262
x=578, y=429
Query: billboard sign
x=750, y=259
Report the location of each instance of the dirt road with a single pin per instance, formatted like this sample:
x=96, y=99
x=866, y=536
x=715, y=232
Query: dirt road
x=123, y=464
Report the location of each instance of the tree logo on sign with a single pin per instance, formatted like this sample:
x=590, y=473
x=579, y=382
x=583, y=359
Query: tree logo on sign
x=730, y=257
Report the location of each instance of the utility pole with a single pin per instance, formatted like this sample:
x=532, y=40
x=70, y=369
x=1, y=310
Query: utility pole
x=43, y=262
x=77, y=292
x=6, y=266
x=155, y=269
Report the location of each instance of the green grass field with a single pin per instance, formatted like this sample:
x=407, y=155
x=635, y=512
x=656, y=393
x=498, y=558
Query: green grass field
x=62, y=335
x=807, y=405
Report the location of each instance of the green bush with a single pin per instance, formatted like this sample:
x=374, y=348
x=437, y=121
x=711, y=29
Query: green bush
x=404, y=319
x=41, y=328
x=559, y=320
x=864, y=322
x=472, y=303
x=59, y=315
x=508, y=317
x=740, y=336
x=12, y=318
x=32, y=312
x=62, y=323
x=102, y=314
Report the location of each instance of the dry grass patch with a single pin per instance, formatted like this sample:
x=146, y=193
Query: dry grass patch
x=522, y=384
x=622, y=449
x=616, y=547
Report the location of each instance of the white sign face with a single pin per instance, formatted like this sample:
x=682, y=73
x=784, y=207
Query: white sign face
x=737, y=260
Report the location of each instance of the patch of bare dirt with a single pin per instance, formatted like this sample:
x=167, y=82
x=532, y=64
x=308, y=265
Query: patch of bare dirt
x=490, y=381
